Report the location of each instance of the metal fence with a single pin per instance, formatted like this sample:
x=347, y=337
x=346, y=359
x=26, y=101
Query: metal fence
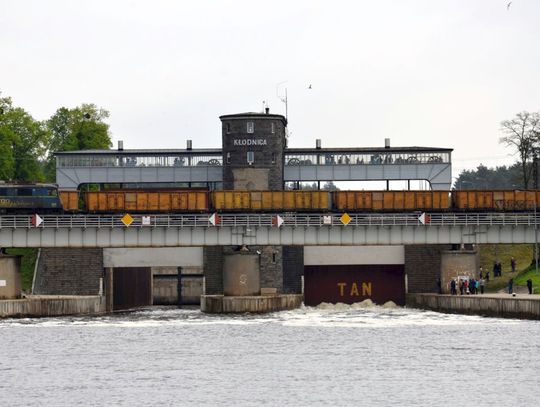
x=265, y=220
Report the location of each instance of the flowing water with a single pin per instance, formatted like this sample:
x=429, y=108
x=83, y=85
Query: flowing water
x=324, y=356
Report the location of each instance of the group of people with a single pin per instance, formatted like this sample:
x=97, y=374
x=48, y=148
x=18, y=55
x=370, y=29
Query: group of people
x=467, y=286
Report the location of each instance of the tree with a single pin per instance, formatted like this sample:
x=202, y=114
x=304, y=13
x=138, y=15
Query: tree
x=522, y=133
x=490, y=178
x=80, y=128
x=23, y=143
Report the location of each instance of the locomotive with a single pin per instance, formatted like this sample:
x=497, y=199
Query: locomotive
x=46, y=198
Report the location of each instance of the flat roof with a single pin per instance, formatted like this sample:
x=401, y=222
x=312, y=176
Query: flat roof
x=216, y=151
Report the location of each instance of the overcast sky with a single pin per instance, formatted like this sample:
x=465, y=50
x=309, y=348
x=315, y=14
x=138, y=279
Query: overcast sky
x=436, y=73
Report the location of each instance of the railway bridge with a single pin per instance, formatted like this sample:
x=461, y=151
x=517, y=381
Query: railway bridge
x=292, y=229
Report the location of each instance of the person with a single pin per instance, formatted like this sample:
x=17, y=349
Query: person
x=482, y=285
x=487, y=276
x=513, y=264
x=510, y=286
x=461, y=286
x=529, y=285
x=481, y=272
x=453, y=290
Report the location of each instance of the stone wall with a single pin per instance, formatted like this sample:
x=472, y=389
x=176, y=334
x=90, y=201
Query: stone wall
x=423, y=267
x=293, y=269
x=69, y=271
x=213, y=269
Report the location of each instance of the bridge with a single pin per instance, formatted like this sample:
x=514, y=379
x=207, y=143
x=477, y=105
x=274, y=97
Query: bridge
x=205, y=166
x=159, y=230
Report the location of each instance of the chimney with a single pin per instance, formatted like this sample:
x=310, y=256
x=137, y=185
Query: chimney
x=120, y=145
x=267, y=110
x=188, y=144
x=386, y=143
x=318, y=143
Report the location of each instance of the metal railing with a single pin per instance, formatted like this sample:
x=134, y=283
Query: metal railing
x=269, y=220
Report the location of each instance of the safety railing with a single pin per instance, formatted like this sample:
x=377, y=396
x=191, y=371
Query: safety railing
x=269, y=220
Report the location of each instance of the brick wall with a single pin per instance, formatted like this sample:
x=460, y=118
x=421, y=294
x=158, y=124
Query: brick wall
x=293, y=269
x=69, y=271
x=213, y=269
x=423, y=267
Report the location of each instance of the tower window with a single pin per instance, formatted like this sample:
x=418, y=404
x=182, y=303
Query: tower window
x=272, y=127
x=273, y=158
x=250, y=127
x=273, y=257
x=228, y=158
x=228, y=128
x=250, y=157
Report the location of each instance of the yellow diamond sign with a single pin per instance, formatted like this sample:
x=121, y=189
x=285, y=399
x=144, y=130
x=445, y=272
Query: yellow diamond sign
x=127, y=219
x=345, y=219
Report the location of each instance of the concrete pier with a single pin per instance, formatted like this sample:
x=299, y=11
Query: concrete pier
x=257, y=303
x=522, y=306
x=52, y=305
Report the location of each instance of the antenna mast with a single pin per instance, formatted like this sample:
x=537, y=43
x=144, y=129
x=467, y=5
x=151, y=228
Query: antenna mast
x=284, y=99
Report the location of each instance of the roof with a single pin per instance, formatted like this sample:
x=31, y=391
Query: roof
x=219, y=151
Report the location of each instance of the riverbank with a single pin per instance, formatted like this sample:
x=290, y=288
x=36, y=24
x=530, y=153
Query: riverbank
x=522, y=306
x=35, y=306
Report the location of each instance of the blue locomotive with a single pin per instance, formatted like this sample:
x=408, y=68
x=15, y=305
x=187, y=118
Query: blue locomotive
x=24, y=198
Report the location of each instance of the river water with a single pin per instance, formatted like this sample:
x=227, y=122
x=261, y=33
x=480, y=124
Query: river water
x=326, y=356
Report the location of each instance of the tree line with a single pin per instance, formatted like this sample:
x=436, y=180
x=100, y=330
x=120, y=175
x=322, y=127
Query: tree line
x=27, y=145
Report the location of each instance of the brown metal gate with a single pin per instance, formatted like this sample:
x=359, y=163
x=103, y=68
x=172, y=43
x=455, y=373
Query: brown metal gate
x=354, y=283
x=132, y=287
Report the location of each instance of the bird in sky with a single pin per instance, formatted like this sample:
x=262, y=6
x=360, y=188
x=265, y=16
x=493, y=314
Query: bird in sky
x=508, y=5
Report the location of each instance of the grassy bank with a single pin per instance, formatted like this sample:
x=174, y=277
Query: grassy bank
x=523, y=253
x=28, y=263
x=522, y=278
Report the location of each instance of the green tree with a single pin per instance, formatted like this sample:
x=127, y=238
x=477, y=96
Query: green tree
x=80, y=128
x=521, y=132
x=502, y=177
x=23, y=143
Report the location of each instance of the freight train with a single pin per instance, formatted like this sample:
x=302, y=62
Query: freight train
x=46, y=198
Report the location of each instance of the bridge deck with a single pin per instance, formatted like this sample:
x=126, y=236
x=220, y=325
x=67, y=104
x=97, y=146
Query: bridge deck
x=159, y=230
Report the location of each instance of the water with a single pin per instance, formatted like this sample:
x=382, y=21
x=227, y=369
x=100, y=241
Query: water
x=308, y=357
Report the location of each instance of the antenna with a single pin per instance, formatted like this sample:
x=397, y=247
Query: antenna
x=283, y=98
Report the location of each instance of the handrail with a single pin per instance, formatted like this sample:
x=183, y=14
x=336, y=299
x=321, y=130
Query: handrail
x=267, y=220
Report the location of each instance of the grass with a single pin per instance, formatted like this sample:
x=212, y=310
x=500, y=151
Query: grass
x=28, y=263
x=523, y=253
x=522, y=278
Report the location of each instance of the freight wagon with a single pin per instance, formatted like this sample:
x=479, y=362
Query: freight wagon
x=301, y=201
x=391, y=201
x=146, y=201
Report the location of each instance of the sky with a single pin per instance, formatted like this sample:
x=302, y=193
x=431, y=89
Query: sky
x=430, y=73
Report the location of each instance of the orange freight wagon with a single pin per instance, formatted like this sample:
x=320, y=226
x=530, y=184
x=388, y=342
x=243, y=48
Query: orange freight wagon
x=270, y=200
x=69, y=200
x=147, y=201
x=498, y=200
x=386, y=201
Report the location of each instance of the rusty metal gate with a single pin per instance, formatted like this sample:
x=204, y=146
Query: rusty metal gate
x=354, y=283
x=132, y=287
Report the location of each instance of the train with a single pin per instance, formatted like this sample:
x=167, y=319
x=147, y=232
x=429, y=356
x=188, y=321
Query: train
x=46, y=198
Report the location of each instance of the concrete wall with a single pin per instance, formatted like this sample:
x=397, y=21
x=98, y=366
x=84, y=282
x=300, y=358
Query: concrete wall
x=69, y=272
x=494, y=306
x=153, y=257
x=334, y=255
x=10, y=277
x=43, y=306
